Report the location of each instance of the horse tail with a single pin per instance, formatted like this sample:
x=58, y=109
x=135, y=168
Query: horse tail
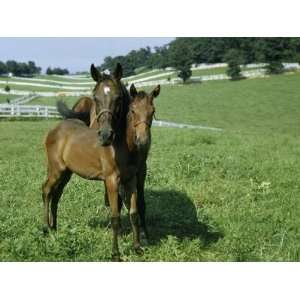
x=68, y=113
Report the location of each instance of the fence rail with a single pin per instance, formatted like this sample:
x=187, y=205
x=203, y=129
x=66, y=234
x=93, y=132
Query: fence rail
x=20, y=111
x=40, y=111
x=24, y=99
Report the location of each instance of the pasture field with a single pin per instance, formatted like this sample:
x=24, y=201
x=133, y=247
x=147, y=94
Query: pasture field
x=49, y=81
x=211, y=196
x=51, y=101
x=86, y=78
x=28, y=87
x=4, y=97
x=198, y=72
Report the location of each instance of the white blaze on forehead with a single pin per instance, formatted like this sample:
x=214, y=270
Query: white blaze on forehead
x=106, y=90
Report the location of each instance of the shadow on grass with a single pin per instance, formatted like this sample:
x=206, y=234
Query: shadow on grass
x=170, y=213
x=173, y=213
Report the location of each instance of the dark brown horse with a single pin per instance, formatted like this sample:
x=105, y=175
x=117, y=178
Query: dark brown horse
x=72, y=147
x=139, y=121
x=138, y=138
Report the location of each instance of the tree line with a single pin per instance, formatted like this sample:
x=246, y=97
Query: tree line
x=57, y=71
x=19, y=68
x=181, y=53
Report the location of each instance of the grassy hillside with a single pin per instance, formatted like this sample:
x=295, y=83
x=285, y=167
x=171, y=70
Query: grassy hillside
x=225, y=196
x=4, y=97
x=70, y=101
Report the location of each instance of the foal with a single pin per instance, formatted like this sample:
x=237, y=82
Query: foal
x=138, y=138
x=72, y=147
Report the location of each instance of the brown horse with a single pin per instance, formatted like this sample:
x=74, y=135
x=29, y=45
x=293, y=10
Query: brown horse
x=138, y=136
x=72, y=147
x=107, y=108
x=139, y=121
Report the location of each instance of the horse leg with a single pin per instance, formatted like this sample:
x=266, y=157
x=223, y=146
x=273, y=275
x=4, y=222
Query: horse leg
x=48, y=190
x=106, y=201
x=112, y=187
x=141, y=176
x=120, y=202
x=131, y=193
x=64, y=179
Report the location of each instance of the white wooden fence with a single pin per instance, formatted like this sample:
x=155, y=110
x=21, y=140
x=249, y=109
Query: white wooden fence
x=160, y=123
x=24, y=99
x=39, y=111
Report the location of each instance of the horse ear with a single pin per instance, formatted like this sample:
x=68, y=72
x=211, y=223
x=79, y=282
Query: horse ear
x=118, y=73
x=133, y=91
x=96, y=75
x=156, y=91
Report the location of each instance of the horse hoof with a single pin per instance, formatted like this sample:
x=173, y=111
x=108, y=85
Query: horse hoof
x=116, y=258
x=139, y=250
x=45, y=229
x=144, y=239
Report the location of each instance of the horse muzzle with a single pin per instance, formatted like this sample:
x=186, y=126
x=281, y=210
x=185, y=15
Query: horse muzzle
x=106, y=137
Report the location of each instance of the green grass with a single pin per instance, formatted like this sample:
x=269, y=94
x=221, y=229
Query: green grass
x=211, y=196
x=3, y=97
x=70, y=101
x=221, y=70
x=59, y=78
x=39, y=88
x=142, y=75
x=204, y=72
x=57, y=85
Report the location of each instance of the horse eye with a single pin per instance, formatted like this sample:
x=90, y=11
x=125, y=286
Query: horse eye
x=132, y=111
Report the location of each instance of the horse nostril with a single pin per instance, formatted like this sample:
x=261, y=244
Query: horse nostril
x=106, y=136
x=110, y=134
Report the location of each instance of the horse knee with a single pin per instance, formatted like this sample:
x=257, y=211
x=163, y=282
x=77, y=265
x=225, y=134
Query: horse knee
x=134, y=218
x=115, y=223
x=46, y=189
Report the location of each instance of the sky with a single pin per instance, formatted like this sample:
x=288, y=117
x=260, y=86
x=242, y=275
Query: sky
x=75, y=54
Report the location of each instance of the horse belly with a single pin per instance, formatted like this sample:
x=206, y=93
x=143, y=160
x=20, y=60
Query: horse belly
x=83, y=161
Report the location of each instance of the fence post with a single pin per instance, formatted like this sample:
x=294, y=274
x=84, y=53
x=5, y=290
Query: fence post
x=12, y=110
x=46, y=111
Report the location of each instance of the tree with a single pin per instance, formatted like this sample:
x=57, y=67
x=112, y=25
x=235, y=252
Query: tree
x=12, y=66
x=49, y=71
x=3, y=68
x=184, y=72
x=21, y=68
x=234, y=59
x=33, y=69
x=57, y=71
x=7, y=88
x=183, y=52
x=275, y=67
x=274, y=52
x=180, y=57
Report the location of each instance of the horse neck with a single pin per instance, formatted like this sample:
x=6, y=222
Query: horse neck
x=122, y=126
x=130, y=134
x=92, y=114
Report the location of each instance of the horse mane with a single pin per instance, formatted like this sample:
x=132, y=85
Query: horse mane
x=125, y=110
